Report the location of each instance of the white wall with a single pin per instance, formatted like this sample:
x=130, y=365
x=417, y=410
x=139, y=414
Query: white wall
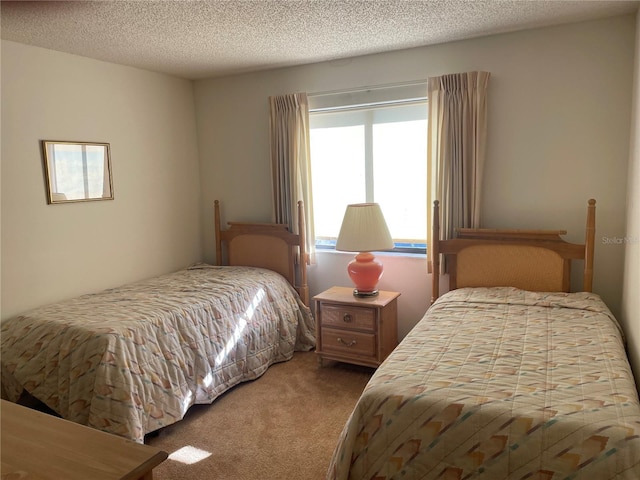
x=52, y=252
x=558, y=134
x=631, y=294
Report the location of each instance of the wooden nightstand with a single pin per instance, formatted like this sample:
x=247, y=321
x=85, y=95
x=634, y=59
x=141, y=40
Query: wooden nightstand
x=356, y=330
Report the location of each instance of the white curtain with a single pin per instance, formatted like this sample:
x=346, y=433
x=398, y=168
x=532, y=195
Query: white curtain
x=456, y=150
x=291, y=164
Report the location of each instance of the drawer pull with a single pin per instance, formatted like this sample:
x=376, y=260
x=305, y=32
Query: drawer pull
x=347, y=318
x=348, y=344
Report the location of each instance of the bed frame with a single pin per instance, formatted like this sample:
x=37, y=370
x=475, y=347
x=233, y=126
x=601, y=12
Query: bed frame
x=265, y=245
x=535, y=260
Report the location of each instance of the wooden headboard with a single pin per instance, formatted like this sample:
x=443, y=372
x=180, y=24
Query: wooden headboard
x=265, y=245
x=536, y=260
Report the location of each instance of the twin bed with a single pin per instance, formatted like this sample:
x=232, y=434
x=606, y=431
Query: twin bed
x=133, y=359
x=507, y=376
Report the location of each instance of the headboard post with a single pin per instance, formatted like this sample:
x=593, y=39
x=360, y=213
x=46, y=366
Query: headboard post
x=303, y=289
x=589, y=243
x=216, y=208
x=435, y=252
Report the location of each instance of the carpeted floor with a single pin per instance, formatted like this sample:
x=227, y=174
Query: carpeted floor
x=284, y=425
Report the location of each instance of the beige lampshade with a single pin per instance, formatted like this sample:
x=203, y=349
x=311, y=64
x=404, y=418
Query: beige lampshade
x=364, y=229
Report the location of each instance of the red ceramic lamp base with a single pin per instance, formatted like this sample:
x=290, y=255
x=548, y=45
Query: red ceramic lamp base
x=365, y=272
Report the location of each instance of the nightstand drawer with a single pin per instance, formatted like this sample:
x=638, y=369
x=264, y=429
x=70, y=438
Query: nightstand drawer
x=349, y=317
x=349, y=342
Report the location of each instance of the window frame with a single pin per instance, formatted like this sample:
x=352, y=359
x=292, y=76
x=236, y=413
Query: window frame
x=366, y=101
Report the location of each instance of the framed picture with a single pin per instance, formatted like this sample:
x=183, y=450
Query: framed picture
x=77, y=171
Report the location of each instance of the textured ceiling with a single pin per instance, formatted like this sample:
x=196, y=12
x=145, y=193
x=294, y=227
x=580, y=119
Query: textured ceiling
x=201, y=39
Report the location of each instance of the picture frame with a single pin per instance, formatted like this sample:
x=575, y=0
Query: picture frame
x=77, y=171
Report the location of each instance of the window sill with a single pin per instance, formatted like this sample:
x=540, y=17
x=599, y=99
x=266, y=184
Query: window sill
x=389, y=253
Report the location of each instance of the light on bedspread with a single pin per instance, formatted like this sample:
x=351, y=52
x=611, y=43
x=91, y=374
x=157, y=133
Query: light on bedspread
x=242, y=324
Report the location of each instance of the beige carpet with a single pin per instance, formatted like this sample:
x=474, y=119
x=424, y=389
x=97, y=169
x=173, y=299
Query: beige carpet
x=284, y=425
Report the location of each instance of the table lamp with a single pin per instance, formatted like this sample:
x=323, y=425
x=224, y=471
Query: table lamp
x=364, y=230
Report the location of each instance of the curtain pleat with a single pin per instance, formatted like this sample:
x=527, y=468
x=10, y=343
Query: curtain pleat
x=456, y=153
x=291, y=164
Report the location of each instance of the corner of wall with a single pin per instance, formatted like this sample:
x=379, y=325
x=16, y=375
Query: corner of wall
x=631, y=280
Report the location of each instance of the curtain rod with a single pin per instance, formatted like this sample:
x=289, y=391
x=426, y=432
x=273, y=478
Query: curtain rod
x=367, y=88
x=361, y=106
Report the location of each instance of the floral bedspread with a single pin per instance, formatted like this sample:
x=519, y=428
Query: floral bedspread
x=133, y=359
x=499, y=383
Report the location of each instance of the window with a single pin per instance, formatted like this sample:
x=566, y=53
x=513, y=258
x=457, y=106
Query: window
x=371, y=152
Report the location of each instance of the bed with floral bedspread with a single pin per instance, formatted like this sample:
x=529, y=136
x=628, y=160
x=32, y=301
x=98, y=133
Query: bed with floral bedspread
x=499, y=383
x=133, y=359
